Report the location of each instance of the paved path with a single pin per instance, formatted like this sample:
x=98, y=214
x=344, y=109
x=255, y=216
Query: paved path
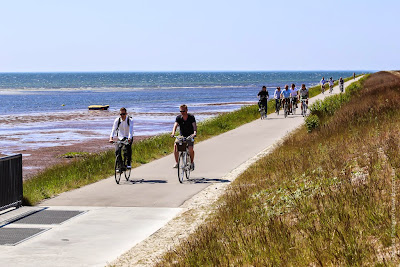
x=117, y=217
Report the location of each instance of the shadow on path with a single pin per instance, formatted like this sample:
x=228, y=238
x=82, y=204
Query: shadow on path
x=206, y=181
x=143, y=181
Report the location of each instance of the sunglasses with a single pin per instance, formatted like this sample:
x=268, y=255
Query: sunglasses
x=182, y=111
x=122, y=114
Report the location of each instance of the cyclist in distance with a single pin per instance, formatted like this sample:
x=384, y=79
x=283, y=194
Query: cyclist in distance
x=322, y=82
x=303, y=95
x=263, y=96
x=123, y=129
x=331, y=83
x=188, y=129
x=285, y=95
x=294, y=95
x=341, y=84
x=277, y=97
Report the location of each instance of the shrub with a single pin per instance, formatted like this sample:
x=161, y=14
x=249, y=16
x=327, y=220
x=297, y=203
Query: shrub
x=312, y=122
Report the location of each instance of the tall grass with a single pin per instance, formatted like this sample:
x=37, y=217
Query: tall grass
x=321, y=198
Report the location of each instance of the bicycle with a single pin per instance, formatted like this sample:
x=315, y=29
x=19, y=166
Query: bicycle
x=121, y=162
x=263, y=112
x=184, y=161
x=304, y=107
x=341, y=87
x=294, y=105
x=286, y=107
x=277, y=106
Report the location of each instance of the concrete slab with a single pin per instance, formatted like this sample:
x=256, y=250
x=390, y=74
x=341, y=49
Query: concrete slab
x=94, y=238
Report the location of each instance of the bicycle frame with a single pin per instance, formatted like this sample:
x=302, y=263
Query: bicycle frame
x=120, y=162
x=183, y=159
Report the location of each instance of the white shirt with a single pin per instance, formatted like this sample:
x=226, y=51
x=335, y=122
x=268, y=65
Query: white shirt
x=294, y=92
x=124, y=130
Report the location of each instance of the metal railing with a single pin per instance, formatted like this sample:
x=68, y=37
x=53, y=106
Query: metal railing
x=10, y=182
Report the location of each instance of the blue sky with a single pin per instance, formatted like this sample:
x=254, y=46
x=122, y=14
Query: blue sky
x=186, y=35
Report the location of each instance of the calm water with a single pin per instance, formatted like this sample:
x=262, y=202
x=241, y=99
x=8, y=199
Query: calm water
x=50, y=109
x=141, y=92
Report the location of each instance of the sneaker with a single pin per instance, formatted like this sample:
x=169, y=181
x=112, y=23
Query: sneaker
x=192, y=166
x=175, y=166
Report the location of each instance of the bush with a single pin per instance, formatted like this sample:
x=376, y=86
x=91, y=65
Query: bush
x=312, y=122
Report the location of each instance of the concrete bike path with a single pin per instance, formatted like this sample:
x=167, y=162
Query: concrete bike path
x=117, y=217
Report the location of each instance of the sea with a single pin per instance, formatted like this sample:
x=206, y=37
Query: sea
x=51, y=109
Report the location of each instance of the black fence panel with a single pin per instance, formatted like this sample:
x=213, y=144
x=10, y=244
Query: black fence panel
x=10, y=182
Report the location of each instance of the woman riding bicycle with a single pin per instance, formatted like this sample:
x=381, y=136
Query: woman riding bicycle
x=277, y=97
x=123, y=129
x=303, y=96
x=187, y=128
x=294, y=95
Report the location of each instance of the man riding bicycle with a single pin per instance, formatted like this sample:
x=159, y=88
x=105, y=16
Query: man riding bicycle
x=331, y=83
x=188, y=129
x=322, y=82
x=285, y=95
x=123, y=129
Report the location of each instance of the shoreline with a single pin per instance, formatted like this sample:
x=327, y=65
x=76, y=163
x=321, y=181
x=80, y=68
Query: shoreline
x=38, y=160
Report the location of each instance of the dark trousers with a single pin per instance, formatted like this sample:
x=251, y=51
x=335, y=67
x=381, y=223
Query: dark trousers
x=263, y=103
x=126, y=149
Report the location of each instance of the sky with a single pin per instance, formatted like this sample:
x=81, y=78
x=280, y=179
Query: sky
x=207, y=35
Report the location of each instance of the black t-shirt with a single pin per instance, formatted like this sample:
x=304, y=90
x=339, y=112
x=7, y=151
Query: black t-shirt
x=263, y=95
x=185, y=126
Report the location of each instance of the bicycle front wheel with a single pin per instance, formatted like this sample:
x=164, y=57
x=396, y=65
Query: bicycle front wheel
x=187, y=167
x=286, y=110
x=127, y=171
x=181, y=166
x=118, y=169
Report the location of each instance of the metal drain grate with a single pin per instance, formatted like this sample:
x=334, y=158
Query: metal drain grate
x=49, y=217
x=13, y=236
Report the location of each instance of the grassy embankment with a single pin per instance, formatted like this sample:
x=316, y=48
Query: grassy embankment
x=321, y=198
x=92, y=168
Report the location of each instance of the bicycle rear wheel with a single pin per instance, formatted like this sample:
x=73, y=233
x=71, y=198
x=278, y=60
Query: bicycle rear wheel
x=187, y=167
x=118, y=169
x=181, y=166
x=127, y=171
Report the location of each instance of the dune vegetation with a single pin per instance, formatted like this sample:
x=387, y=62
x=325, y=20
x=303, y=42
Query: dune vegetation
x=328, y=195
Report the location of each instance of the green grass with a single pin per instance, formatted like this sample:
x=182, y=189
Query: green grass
x=321, y=198
x=97, y=166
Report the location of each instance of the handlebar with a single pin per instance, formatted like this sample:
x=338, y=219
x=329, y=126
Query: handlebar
x=182, y=138
x=122, y=142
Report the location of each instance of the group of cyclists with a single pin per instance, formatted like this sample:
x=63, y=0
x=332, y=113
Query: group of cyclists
x=293, y=96
x=288, y=96
x=123, y=125
x=331, y=83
